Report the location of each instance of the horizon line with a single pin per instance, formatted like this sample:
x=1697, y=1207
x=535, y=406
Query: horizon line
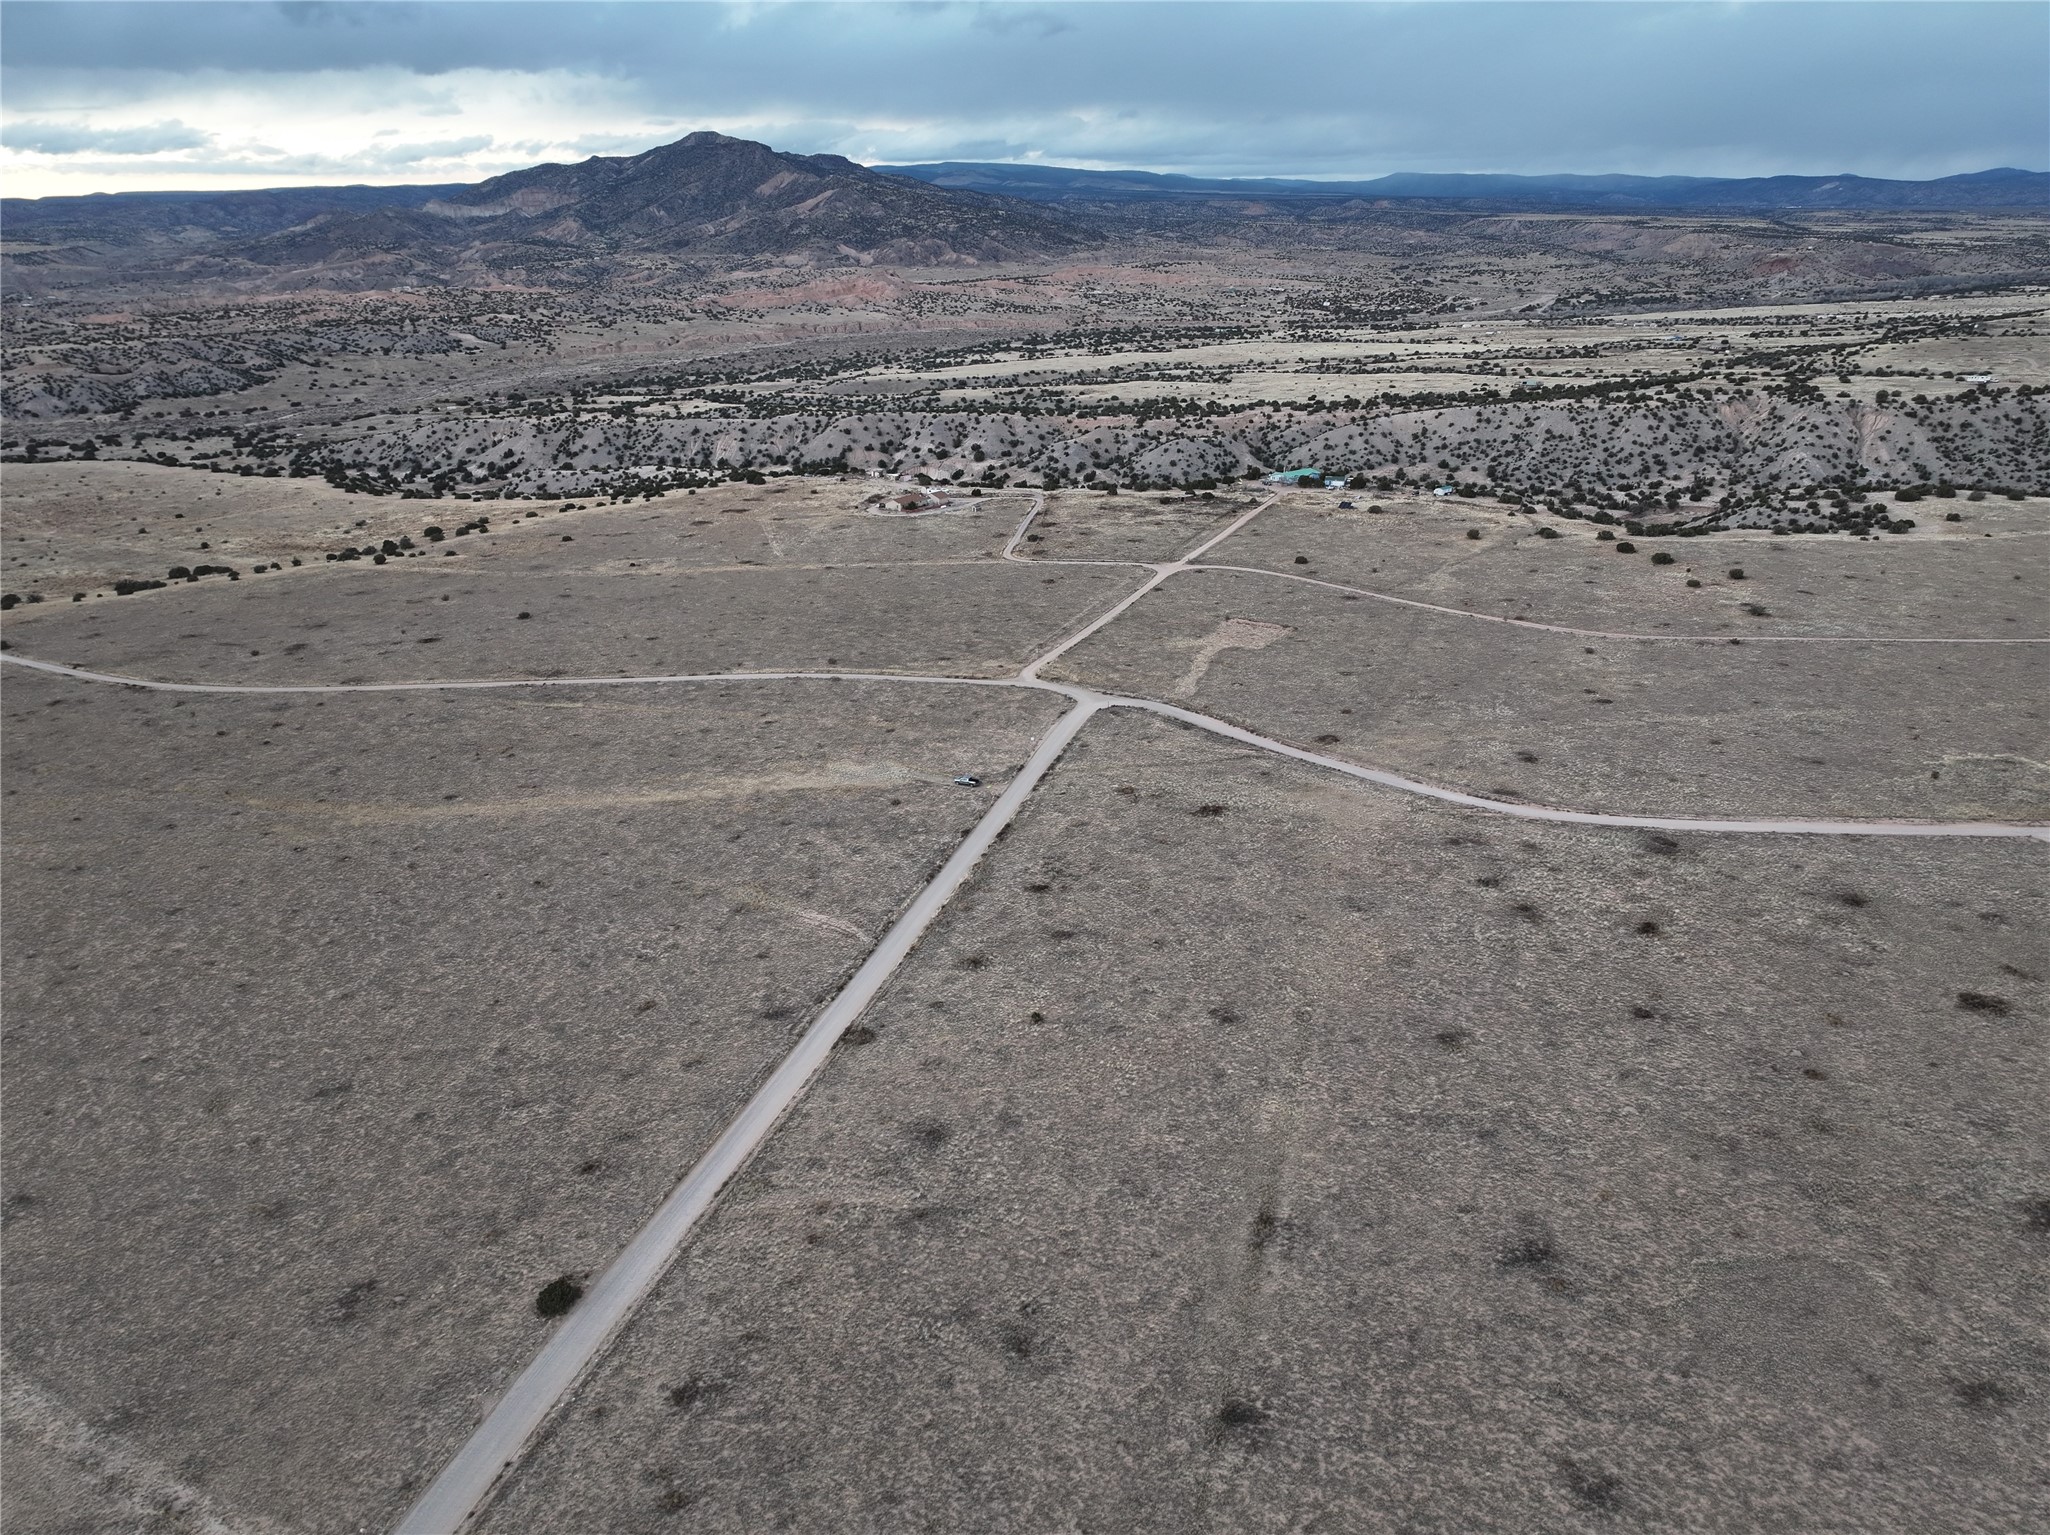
x=250, y=185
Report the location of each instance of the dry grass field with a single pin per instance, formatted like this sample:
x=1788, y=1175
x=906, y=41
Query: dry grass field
x=339, y=1026
x=1296, y=1166
x=1513, y=1010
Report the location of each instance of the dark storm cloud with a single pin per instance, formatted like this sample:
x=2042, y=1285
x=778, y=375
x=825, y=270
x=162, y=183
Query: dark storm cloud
x=1305, y=89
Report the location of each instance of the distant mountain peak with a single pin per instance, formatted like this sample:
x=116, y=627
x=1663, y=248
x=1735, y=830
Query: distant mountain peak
x=711, y=192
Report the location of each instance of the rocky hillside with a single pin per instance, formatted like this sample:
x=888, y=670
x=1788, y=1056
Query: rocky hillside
x=1626, y=454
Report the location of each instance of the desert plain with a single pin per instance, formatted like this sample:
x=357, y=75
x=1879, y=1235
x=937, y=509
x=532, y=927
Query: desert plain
x=1496, y=986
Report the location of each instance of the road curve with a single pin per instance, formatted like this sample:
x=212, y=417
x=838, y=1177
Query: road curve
x=1529, y=812
x=1098, y=700
x=1606, y=634
x=463, y=1485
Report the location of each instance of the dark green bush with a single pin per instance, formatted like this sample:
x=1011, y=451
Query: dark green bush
x=557, y=1296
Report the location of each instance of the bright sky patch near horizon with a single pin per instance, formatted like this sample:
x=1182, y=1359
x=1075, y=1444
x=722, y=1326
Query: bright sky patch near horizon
x=116, y=95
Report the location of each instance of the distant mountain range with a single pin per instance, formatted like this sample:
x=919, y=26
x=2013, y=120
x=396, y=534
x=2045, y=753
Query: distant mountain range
x=705, y=195
x=710, y=199
x=2005, y=188
x=126, y=218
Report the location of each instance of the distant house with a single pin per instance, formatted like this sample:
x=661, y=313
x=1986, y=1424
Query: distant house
x=1446, y=490
x=1296, y=477
x=1978, y=378
x=908, y=501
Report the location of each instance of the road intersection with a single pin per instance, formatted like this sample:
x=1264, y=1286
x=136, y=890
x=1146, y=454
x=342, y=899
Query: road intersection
x=466, y=1483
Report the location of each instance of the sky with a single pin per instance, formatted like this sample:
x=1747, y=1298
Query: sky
x=113, y=95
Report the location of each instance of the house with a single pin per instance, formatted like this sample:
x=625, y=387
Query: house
x=1446, y=490
x=1296, y=477
x=909, y=501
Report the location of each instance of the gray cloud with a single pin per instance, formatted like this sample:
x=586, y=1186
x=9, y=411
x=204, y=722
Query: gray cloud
x=73, y=138
x=396, y=155
x=1900, y=89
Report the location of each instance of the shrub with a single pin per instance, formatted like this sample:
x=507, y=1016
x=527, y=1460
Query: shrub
x=1605, y=537
x=1474, y=534
x=1535, y=1249
x=557, y=1296
x=1624, y=546
x=1239, y=1413
x=1661, y=558
x=1736, y=572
